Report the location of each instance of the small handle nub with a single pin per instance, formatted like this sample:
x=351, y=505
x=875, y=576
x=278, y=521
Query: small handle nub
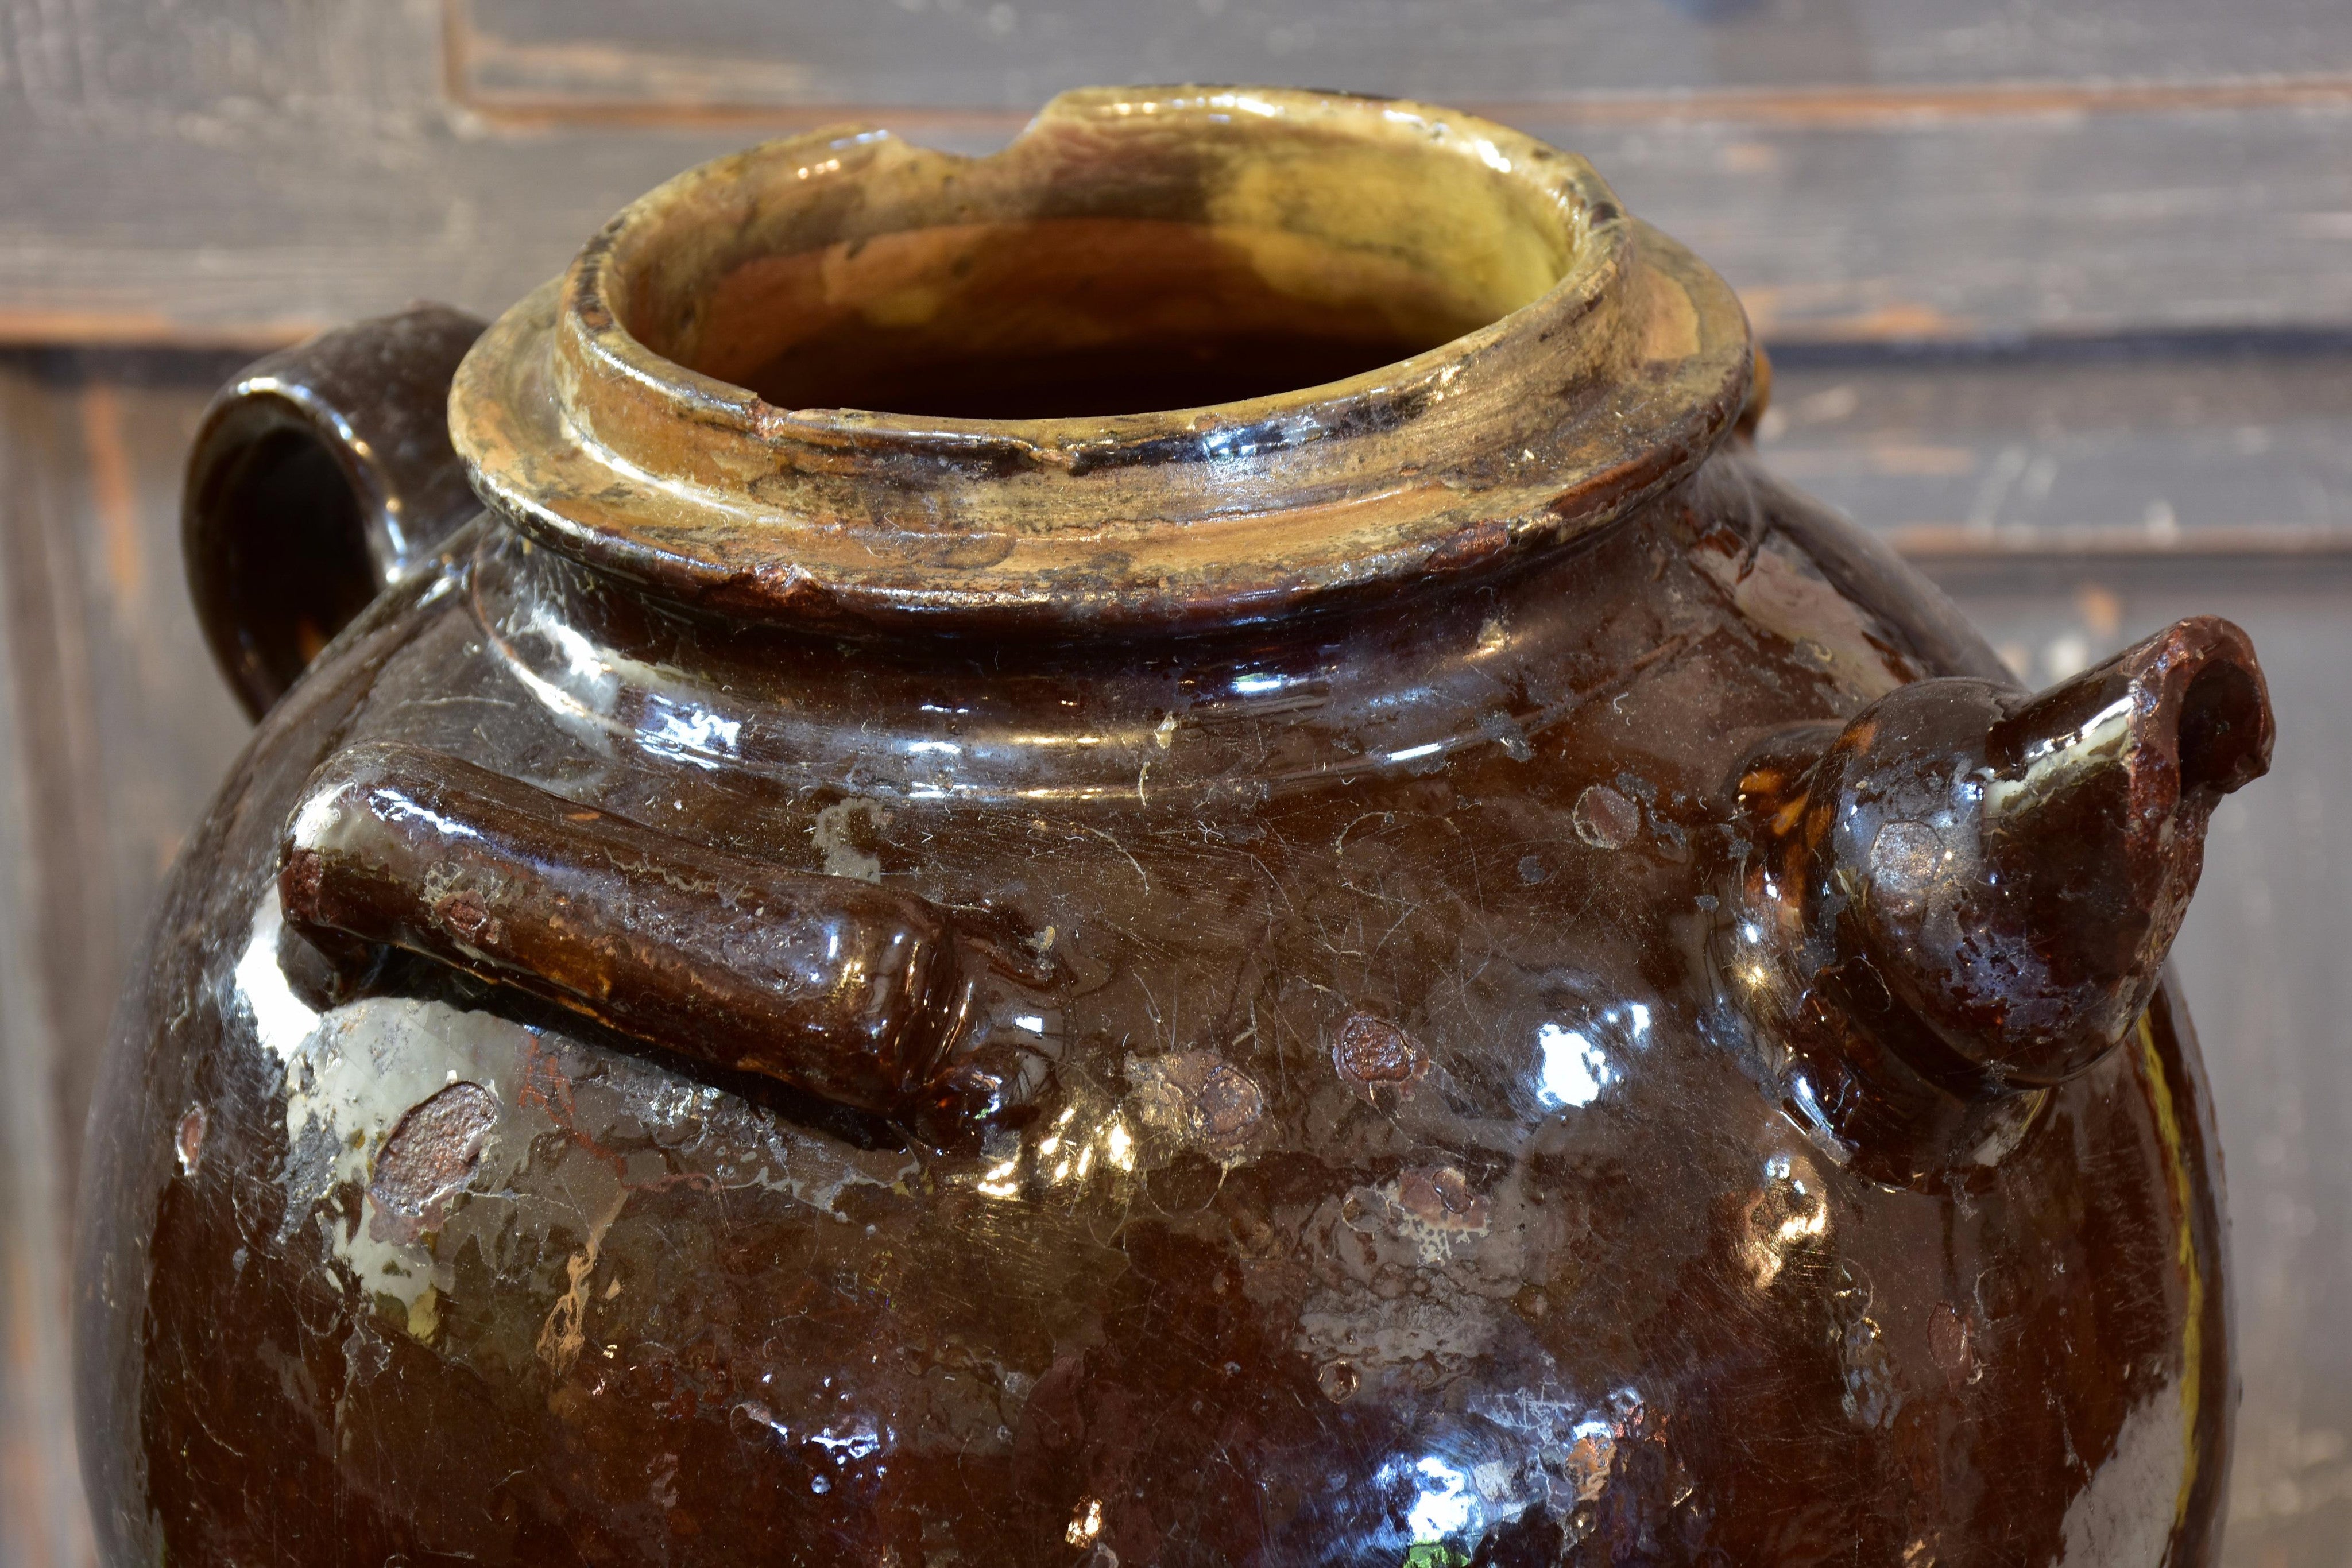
x=319, y=476
x=865, y=996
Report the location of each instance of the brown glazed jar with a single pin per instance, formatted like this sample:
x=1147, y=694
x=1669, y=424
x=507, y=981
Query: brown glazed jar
x=1411, y=963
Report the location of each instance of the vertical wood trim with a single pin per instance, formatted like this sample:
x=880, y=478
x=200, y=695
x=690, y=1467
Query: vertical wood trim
x=75, y=937
x=43, y=1026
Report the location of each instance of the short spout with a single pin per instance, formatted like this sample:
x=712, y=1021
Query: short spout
x=1988, y=882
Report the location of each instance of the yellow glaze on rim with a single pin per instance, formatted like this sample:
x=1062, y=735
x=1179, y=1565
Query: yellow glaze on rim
x=1610, y=363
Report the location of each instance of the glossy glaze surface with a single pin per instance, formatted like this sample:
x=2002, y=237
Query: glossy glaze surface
x=1378, y=1152
x=320, y=475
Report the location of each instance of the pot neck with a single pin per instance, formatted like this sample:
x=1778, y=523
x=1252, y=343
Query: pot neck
x=1535, y=361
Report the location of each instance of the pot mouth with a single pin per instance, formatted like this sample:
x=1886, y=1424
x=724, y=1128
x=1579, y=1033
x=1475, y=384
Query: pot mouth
x=1175, y=356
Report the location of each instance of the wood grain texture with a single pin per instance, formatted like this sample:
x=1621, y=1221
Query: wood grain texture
x=116, y=730
x=42, y=1522
x=592, y=56
x=2157, y=447
x=243, y=171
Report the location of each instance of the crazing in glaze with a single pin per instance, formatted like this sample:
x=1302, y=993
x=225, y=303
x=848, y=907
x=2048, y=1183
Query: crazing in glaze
x=1411, y=963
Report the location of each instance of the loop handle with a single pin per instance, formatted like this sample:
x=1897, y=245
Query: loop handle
x=319, y=477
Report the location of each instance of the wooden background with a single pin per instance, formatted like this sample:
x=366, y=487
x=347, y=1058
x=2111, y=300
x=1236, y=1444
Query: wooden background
x=2060, y=295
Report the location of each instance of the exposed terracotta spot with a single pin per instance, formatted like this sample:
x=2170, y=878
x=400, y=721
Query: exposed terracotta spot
x=1605, y=818
x=1949, y=1341
x=1229, y=1104
x=464, y=914
x=299, y=884
x=428, y=1160
x=1198, y=1097
x=1441, y=1197
x=1371, y=1053
x=189, y=1142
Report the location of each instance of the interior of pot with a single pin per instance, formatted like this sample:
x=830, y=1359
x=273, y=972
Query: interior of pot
x=1108, y=269
x=1012, y=391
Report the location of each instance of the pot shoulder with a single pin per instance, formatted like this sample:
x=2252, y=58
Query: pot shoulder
x=1398, y=1187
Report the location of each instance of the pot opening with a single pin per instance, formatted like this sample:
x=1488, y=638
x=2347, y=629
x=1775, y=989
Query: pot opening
x=1124, y=271
x=1076, y=316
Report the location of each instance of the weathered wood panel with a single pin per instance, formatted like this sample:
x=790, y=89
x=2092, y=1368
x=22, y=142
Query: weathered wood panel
x=1006, y=54
x=2157, y=448
x=116, y=732
x=247, y=170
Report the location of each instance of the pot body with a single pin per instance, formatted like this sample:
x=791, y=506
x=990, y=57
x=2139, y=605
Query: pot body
x=1406, y=1190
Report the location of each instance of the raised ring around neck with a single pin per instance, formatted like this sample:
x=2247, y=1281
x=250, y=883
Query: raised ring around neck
x=1560, y=361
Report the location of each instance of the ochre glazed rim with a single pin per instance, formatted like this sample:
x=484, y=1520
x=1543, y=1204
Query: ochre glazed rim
x=1524, y=432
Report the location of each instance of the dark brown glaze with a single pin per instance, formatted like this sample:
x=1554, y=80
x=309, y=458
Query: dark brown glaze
x=858, y=994
x=1415, y=1179
x=320, y=475
x=1966, y=894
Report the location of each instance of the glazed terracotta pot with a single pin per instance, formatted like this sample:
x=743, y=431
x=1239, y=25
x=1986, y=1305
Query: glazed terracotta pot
x=1413, y=962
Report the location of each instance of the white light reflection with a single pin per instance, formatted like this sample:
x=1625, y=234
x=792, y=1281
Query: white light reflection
x=1257, y=684
x=1573, y=1070
x=854, y=1441
x=1066, y=1153
x=690, y=734
x=1445, y=1504
x=2097, y=740
x=1410, y=752
x=588, y=665
x=282, y=1020
x=1790, y=1212
x=1817, y=1124
x=399, y=808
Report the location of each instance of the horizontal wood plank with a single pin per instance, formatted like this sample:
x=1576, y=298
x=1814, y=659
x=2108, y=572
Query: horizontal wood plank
x=1008, y=53
x=2164, y=448
x=246, y=170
